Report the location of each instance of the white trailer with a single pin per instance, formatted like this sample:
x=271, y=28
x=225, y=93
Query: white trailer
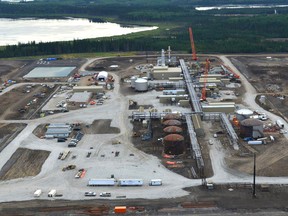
x=37, y=193
x=52, y=193
x=155, y=182
x=101, y=182
x=280, y=124
x=130, y=182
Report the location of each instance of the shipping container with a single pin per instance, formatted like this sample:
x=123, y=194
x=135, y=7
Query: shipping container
x=120, y=209
x=255, y=142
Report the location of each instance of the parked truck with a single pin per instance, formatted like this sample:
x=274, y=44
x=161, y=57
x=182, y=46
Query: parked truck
x=52, y=193
x=280, y=124
x=37, y=193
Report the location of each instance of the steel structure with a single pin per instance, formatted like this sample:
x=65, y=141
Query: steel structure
x=230, y=130
x=192, y=93
x=194, y=56
x=195, y=147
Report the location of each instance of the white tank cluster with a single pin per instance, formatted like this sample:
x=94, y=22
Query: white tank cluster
x=133, y=79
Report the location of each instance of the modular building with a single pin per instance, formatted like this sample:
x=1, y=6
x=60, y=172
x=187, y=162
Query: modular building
x=101, y=182
x=219, y=108
x=130, y=182
x=58, y=130
x=172, y=98
x=93, y=89
x=165, y=72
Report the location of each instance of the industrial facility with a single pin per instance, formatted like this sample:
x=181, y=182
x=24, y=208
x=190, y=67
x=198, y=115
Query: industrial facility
x=112, y=132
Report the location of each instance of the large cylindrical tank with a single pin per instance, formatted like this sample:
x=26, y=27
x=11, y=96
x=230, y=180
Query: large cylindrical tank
x=173, y=129
x=132, y=80
x=141, y=85
x=242, y=114
x=172, y=122
x=173, y=144
x=251, y=128
x=170, y=116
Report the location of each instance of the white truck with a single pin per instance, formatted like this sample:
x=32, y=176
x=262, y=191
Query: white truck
x=155, y=182
x=52, y=193
x=37, y=193
x=280, y=124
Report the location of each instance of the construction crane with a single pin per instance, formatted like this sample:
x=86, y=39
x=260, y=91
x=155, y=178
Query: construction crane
x=207, y=68
x=194, y=57
x=228, y=70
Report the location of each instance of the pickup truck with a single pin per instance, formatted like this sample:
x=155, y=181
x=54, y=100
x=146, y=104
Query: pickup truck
x=105, y=194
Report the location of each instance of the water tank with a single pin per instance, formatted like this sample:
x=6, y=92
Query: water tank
x=172, y=122
x=242, y=114
x=133, y=79
x=173, y=144
x=173, y=129
x=251, y=128
x=141, y=85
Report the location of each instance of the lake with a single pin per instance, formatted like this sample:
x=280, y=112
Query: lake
x=238, y=7
x=14, y=31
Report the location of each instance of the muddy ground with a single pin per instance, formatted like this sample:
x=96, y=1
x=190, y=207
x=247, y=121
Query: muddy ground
x=201, y=201
x=23, y=102
x=8, y=132
x=269, y=76
x=23, y=163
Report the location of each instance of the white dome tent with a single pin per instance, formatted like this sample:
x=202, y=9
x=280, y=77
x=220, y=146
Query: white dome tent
x=102, y=76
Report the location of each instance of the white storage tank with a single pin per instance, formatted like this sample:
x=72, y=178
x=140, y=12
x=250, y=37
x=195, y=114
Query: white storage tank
x=242, y=114
x=132, y=80
x=141, y=85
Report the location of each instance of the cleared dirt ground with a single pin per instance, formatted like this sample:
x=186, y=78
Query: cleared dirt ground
x=269, y=76
x=23, y=163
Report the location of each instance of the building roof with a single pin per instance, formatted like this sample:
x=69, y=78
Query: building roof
x=88, y=87
x=81, y=97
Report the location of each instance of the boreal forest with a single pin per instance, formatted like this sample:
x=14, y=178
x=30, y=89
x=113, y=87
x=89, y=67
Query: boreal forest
x=242, y=30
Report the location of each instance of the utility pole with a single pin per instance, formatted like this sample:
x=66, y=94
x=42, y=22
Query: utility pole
x=254, y=178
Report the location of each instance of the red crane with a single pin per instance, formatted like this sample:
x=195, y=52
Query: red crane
x=207, y=68
x=194, y=57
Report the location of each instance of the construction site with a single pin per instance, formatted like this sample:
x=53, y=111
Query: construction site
x=125, y=129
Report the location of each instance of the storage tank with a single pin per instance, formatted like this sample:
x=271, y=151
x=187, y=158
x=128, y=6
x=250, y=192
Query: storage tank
x=243, y=114
x=172, y=122
x=251, y=128
x=141, y=85
x=132, y=80
x=173, y=129
x=172, y=116
x=173, y=144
